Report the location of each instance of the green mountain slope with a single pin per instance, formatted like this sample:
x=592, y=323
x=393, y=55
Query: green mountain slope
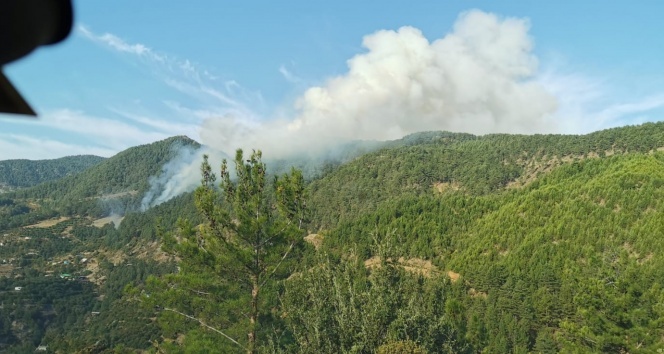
x=573, y=261
x=111, y=187
x=475, y=165
x=497, y=244
x=578, y=254
x=127, y=171
x=27, y=173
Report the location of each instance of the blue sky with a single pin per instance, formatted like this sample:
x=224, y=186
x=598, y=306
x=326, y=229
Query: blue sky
x=225, y=73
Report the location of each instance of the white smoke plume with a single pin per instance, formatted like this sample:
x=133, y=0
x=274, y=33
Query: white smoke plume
x=479, y=78
x=181, y=174
x=116, y=220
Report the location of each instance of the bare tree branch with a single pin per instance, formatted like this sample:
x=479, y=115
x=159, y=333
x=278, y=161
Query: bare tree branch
x=278, y=264
x=206, y=325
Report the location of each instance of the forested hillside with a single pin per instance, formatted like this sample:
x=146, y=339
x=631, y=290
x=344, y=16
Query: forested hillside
x=435, y=243
x=571, y=262
x=111, y=187
x=476, y=165
x=27, y=173
x=124, y=172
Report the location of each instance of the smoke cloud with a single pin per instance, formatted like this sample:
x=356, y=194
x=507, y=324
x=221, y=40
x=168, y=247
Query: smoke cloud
x=479, y=78
x=116, y=220
x=181, y=174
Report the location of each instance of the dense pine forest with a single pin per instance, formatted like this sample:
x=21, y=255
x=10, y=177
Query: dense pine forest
x=435, y=243
x=27, y=173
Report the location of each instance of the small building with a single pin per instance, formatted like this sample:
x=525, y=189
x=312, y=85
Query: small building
x=41, y=348
x=18, y=288
x=65, y=275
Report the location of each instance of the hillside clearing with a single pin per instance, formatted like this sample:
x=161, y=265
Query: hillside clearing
x=48, y=223
x=115, y=219
x=411, y=265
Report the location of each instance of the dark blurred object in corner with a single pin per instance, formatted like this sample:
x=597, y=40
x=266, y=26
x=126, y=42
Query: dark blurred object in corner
x=24, y=26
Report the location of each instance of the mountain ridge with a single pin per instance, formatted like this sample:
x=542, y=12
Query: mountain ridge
x=119, y=173
x=22, y=173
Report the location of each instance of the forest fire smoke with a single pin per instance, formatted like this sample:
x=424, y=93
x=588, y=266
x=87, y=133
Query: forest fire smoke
x=479, y=78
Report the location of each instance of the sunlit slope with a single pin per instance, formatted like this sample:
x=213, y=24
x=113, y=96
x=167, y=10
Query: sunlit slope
x=573, y=260
x=579, y=252
x=475, y=165
x=592, y=207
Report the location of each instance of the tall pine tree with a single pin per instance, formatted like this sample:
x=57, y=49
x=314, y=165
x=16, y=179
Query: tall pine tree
x=250, y=227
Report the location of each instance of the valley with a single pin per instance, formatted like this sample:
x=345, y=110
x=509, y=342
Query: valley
x=443, y=241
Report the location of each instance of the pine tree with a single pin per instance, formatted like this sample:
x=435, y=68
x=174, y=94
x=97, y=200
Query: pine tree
x=250, y=227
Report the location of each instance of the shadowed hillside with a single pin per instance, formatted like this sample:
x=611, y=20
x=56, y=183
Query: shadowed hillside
x=27, y=173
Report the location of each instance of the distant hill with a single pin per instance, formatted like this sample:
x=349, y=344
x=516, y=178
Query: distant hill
x=27, y=173
x=126, y=172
